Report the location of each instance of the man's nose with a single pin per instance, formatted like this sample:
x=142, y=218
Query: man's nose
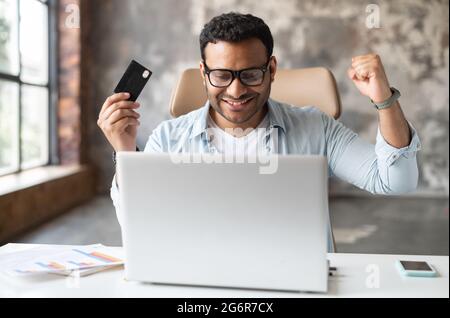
x=236, y=89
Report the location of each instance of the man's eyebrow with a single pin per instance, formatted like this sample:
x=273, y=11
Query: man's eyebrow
x=244, y=68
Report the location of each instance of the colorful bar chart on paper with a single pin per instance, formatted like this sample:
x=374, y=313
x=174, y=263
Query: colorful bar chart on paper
x=52, y=265
x=62, y=259
x=82, y=264
x=99, y=256
x=20, y=271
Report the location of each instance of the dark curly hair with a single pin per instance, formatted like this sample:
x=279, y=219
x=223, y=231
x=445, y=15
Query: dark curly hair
x=236, y=27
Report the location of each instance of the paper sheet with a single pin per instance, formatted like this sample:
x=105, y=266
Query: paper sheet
x=60, y=259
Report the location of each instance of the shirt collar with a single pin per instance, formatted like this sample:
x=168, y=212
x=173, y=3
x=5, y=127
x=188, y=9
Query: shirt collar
x=201, y=120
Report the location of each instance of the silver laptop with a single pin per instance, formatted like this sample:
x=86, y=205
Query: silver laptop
x=214, y=222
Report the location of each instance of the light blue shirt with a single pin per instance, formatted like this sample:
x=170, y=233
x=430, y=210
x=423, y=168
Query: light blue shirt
x=379, y=168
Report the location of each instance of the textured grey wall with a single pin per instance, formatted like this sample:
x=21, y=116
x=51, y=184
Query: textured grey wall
x=412, y=42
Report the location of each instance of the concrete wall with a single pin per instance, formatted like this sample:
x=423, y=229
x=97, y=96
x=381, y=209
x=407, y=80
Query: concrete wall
x=412, y=42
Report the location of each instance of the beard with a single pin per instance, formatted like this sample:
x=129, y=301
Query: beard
x=238, y=113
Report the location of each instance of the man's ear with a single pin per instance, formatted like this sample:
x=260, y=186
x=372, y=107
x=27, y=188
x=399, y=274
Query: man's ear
x=273, y=68
x=202, y=72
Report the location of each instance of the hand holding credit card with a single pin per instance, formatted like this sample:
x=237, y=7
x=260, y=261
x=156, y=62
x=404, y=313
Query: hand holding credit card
x=118, y=118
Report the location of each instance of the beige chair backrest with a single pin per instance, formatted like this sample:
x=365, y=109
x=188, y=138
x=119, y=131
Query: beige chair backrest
x=300, y=87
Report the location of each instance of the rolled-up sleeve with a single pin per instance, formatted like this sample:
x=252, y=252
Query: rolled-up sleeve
x=399, y=165
x=379, y=168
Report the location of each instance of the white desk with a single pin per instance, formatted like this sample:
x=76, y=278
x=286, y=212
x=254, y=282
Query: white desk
x=354, y=272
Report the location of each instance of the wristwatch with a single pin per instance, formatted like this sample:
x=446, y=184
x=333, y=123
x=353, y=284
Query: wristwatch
x=114, y=155
x=388, y=103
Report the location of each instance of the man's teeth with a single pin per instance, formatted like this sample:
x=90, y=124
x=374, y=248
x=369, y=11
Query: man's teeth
x=237, y=103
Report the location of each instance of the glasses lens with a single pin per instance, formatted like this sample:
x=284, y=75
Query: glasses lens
x=220, y=78
x=252, y=77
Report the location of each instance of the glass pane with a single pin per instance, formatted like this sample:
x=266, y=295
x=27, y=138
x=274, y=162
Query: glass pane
x=34, y=41
x=34, y=134
x=9, y=126
x=9, y=51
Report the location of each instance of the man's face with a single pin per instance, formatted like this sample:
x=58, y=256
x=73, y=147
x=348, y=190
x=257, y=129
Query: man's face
x=227, y=101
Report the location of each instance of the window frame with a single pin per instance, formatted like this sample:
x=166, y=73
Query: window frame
x=51, y=86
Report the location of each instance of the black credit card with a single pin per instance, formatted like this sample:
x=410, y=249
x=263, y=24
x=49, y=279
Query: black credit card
x=133, y=80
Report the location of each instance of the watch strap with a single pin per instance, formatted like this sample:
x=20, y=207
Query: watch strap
x=388, y=103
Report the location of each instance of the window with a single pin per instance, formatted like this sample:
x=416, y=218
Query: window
x=25, y=86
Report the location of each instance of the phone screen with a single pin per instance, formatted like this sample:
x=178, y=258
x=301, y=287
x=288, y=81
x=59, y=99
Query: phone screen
x=415, y=266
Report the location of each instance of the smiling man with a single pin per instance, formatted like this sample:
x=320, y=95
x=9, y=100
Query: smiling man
x=237, y=103
x=238, y=68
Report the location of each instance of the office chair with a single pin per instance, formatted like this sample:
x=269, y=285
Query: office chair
x=299, y=87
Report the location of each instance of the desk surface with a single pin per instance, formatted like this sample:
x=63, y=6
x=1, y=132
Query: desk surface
x=357, y=276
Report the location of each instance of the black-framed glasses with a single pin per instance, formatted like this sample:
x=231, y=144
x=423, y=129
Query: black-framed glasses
x=222, y=78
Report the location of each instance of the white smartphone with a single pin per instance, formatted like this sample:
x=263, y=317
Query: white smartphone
x=416, y=269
